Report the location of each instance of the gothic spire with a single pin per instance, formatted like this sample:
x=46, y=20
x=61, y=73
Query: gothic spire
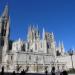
x=43, y=33
x=5, y=12
x=62, y=47
x=59, y=46
x=52, y=36
x=29, y=30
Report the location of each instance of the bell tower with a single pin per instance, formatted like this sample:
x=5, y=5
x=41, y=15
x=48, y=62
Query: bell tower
x=4, y=32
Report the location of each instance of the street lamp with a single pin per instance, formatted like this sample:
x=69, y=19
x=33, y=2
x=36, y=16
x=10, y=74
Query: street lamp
x=71, y=54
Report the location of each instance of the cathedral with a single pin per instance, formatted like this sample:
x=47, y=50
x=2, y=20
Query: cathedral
x=34, y=54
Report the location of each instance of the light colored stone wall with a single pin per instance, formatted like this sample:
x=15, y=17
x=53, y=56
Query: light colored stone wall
x=33, y=60
x=67, y=60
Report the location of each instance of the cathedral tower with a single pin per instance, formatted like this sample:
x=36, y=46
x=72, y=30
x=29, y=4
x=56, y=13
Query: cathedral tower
x=33, y=34
x=50, y=43
x=62, y=48
x=4, y=32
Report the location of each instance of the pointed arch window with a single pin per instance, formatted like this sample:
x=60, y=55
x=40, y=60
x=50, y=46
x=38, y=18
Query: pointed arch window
x=28, y=46
x=35, y=46
x=47, y=45
x=23, y=47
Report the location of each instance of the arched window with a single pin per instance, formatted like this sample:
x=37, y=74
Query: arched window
x=29, y=57
x=31, y=50
x=23, y=47
x=11, y=57
x=58, y=53
x=28, y=46
x=47, y=45
x=2, y=42
x=35, y=46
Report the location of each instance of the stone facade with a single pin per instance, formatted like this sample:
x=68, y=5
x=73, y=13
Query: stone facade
x=36, y=53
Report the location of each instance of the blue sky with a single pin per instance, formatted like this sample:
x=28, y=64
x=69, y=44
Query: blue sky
x=56, y=16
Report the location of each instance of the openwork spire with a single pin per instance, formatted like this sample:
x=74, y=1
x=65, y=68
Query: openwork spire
x=43, y=34
x=62, y=47
x=5, y=13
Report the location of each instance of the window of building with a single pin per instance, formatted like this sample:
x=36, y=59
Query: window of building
x=28, y=46
x=10, y=45
x=41, y=45
x=29, y=57
x=63, y=67
x=35, y=46
x=2, y=42
x=11, y=57
x=47, y=45
x=58, y=67
x=31, y=50
x=4, y=32
x=23, y=47
x=58, y=53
